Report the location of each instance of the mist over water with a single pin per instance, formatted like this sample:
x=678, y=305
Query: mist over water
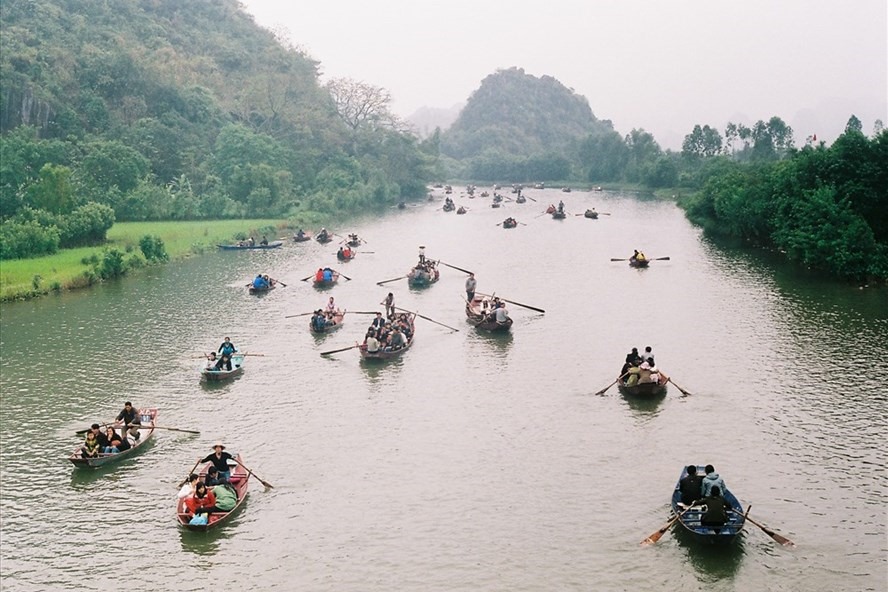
x=474, y=462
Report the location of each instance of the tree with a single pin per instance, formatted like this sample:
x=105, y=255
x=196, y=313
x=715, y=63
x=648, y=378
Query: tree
x=702, y=142
x=362, y=105
x=854, y=125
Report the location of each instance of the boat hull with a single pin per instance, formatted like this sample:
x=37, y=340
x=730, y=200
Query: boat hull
x=337, y=323
x=420, y=278
x=689, y=521
x=240, y=479
x=478, y=319
x=145, y=434
x=255, y=291
x=271, y=245
x=237, y=368
x=643, y=390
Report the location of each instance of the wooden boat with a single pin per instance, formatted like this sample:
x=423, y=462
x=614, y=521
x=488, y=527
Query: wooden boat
x=240, y=479
x=520, y=199
x=338, y=317
x=264, y=290
x=343, y=256
x=146, y=432
x=402, y=205
x=325, y=283
x=354, y=241
x=566, y=189
x=495, y=204
x=478, y=317
x=639, y=263
x=461, y=210
x=324, y=238
x=419, y=277
x=485, y=194
x=448, y=189
x=208, y=371
x=247, y=247
x=598, y=188
x=301, y=238
x=384, y=354
x=510, y=223
x=644, y=389
x=556, y=215
x=448, y=206
x=690, y=519
x=591, y=214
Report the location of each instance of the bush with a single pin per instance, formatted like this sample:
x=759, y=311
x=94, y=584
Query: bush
x=19, y=240
x=153, y=248
x=112, y=265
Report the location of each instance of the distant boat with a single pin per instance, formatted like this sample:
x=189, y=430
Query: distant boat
x=146, y=431
x=591, y=214
x=209, y=372
x=477, y=313
x=246, y=246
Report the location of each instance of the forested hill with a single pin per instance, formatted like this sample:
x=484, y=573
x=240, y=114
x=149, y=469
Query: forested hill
x=517, y=116
x=171, y=109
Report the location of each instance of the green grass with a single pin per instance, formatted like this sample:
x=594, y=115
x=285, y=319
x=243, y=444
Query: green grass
x=65, y=270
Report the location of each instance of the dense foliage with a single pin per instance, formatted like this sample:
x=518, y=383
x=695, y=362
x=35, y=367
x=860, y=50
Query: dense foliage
x=823, y=206
x=161, y=109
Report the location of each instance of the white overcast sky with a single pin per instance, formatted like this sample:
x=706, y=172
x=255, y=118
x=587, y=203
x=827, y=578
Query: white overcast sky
x=661, y=65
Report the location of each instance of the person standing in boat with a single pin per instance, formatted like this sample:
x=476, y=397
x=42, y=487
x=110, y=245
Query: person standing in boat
x=389, y=302
x=220, y=459
x=690, y=486
x=470, y=287
x=226, y=350
x=711, y=481
x=131, y=419
x=331, y=305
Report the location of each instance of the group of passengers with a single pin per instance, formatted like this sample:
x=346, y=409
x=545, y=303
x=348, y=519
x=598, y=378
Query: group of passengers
x=388, y=334
x=705, y=490
x=640, y=368
x=221, y=358
x=98, y=442
x=321, y=319
x=323, y=275
x=495, y=310
x=448, y=204
x=345, y=253
x=425, y=264
x=212, y=491
x=263, y=282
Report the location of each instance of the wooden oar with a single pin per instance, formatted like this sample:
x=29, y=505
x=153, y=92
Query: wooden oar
x=391, y=280
x=362, y=312
x=660, y=259
x=367, y=252
x=656, y=535
x=260, y=355
x=515, y=303
x=602, y=391
x=615, y=259
x=185, y=480
x=455, y=267
x=530, y=198
x=148, y=427
x=336, y=351
x=684, y=392
x=426, y=318
x=343, y=275
x=247, y=469
x=302, y=314
x=779, y=538
x=305, y=279
x=278, y=281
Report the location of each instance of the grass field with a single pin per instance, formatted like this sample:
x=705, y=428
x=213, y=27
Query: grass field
x=25, y=278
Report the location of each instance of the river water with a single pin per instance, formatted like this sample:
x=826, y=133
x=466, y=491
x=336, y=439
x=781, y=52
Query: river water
x=473, y=462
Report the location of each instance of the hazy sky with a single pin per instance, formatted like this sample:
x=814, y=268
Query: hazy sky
x=662, y=65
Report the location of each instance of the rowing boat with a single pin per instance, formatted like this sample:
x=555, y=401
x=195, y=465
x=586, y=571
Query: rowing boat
x=240, y=480
x=326, y=283
x=420, y=277
x=689, y=518
x=591, y=214
x=461, y=210
x=208, y=369
x=146, y=432
x=510, y=223
x=324, y=238
x=387, y=353
x=329, y=327
x=644, y=389
x=559, y=215
x=247, y=247
x=301, y=238
x=639, y=263
x=261, y=290
x=480, y=318
x=342, y=255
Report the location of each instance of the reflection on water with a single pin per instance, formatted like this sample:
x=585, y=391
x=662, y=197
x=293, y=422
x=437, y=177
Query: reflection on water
x=644, y=405
x=712, y=563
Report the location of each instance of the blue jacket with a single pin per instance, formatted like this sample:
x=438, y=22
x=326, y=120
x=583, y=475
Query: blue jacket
x=328, y=275
x=711, y=480
x=260, y=282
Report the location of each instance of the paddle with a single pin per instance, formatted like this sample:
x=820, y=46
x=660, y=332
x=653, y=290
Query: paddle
x=778, y=538
x=336, y=351
x=260, y=355
x=602, y=391
x=343, y=275
x=247, y=469
x=361, y=312
x=684, y=392
x=656, y=535
x=302, y=314
x=367, y=252
x=426, y=318
x=530, y=198
x=455, y=267
x=174, y=429
x=81, y=432
x=515, y=303
x=391, y=280
x=305, y=279
x=279, y=281
x=185, y=480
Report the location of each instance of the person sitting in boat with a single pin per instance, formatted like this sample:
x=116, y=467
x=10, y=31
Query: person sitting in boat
x=633, y=356
x=377, y=322
x=371, y=342
x=690, y=486
x=131, y=419
x=264, y=241
x=188, y=486
x=347, y=252
x=648, y=355
x=112, y=441
x=710, y=481
x=328, y=275
x=323, y=234
x=656, y=377
x=340, y=254
x=201, y=501
x=251, y=242
x=220, y=459
x=319, y=276
x=213, y=477
x=224, y=361
x=226, y=498
x=90, y=448
x=260, y=283
x=634, y=374
x=318, y=321
x=331, y=305
x=644, y=376
x=502, y=314
x=716, y=512
x=397, y=340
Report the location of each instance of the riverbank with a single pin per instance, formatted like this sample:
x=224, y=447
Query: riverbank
x=70, y=268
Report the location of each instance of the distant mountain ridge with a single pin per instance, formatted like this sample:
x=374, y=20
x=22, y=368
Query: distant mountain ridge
x=426, y=120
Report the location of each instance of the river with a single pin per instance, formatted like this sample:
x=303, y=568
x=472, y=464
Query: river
x=473, y=462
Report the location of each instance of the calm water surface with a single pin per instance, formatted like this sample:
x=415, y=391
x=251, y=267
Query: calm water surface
x=473, y=462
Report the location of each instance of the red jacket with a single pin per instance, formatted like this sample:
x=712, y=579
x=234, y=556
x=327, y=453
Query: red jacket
x=194, y=503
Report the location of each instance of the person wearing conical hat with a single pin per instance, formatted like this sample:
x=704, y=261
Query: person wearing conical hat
x=220, y=459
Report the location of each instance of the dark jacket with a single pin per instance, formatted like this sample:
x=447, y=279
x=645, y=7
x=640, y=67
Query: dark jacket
x=220, y=462
x=690, y=489
x=716, y=513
